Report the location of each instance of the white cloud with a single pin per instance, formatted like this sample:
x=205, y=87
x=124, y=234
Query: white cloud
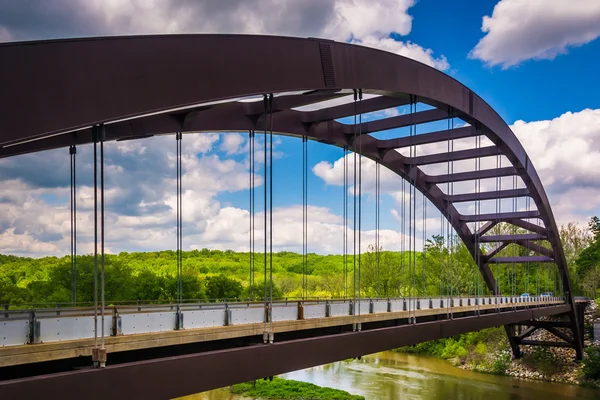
x=566, y=153
x=232, y=142
x=362, y=18
x=406, y=49
x=338, y=20
x=520, y=30
x=229, y=230
x=363, y=21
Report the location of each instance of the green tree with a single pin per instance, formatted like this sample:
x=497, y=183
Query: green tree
x=222, y=287
x=589, y=258
x=257, y=292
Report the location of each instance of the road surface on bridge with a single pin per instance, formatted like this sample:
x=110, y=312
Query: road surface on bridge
x=33, y=336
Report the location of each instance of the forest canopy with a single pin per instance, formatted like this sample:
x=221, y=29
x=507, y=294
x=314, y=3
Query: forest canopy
x=442, y=268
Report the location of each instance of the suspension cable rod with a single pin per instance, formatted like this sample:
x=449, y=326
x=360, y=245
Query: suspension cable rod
x=181, y=216
x=95, y=138
x=73, y=158
x=251, y=216
x=102, y=285
x=377, y=208
x=265, y=167
x=345, y=245
x=359, y=198
x=271, y=218
x=354, y=218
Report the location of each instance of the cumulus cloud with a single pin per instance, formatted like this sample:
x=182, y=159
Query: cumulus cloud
x=140, y=175
x=362, y=21
x=520, y=30
x=406, y=49
x=232, y=142
x=564, y=150
x=339, y=20
x=566, y=153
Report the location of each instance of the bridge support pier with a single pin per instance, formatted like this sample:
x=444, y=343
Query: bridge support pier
x=514, y=345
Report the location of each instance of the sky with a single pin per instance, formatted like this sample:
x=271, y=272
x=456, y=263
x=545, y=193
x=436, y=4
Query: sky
x=535, y=62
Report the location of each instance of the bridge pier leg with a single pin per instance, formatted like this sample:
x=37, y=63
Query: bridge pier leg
x=578, y=322
x=514, y=345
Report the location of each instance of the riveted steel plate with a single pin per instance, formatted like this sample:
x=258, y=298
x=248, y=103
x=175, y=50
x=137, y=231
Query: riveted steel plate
x=340, y=309
x=285, y=312
x=71, y=328
x=14, y=332
x=204, y=318
x=397, y=305
x=247, y=315
x=380, y=306
x=314, y=311
x=148, y=322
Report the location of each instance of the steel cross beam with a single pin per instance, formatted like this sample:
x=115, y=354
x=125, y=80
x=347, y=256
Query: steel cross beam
x=127, y=103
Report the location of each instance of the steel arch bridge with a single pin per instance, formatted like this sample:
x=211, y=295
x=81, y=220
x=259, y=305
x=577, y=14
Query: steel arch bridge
x=56, y=94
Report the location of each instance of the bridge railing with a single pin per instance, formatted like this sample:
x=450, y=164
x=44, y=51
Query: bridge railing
x=19, y=327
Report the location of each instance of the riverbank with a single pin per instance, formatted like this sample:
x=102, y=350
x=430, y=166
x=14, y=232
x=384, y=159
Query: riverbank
x=488, y=351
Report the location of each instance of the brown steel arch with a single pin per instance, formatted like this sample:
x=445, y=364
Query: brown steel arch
x=53, y=92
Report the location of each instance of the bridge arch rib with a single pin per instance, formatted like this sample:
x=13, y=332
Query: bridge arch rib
x=55, y=91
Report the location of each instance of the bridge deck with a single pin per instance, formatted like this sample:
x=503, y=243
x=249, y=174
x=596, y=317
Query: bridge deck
x=146, y=327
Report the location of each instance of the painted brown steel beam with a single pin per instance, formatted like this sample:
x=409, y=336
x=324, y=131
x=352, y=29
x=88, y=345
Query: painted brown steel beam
x=560, y=335
x=499, y=217
x=510, y=238
x=486, y=228
x=453, y=156
x=281, y=103
x=426, y=138
x=498, y=194
x=537, y=248
x=399, y=121
x=177, y=376
x=472, y=175
x=526, y=244
x=519, y=259
x=347, y=110
x=496, y=250
x=530, y=331
x=528, y=226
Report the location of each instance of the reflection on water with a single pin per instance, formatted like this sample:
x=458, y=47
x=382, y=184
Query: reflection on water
x=391, y=375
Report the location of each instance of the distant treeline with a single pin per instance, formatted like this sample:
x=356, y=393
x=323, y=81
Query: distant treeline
x=210, y=274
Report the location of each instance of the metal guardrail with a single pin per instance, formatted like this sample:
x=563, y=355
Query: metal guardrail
x=18, y=327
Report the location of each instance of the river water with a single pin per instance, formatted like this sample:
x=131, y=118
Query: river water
x=390, y=375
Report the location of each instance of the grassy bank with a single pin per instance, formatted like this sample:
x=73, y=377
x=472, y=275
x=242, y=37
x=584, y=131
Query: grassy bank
x=471, y=350
x=488, y=351
x=290, y=390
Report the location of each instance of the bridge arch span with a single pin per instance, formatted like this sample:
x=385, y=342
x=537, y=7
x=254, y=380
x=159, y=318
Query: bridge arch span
x=54, y=92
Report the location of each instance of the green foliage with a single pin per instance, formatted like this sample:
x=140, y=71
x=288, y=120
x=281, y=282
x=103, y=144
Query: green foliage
x=256, y=292
x=591, y=364
x=292, y=390
x=589, y=258
x=444, y=267
x=501, y=363
x=222, y=287
x=472, y=347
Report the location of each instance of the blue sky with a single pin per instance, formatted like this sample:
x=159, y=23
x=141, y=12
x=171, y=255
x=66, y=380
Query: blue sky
x=534, y=61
